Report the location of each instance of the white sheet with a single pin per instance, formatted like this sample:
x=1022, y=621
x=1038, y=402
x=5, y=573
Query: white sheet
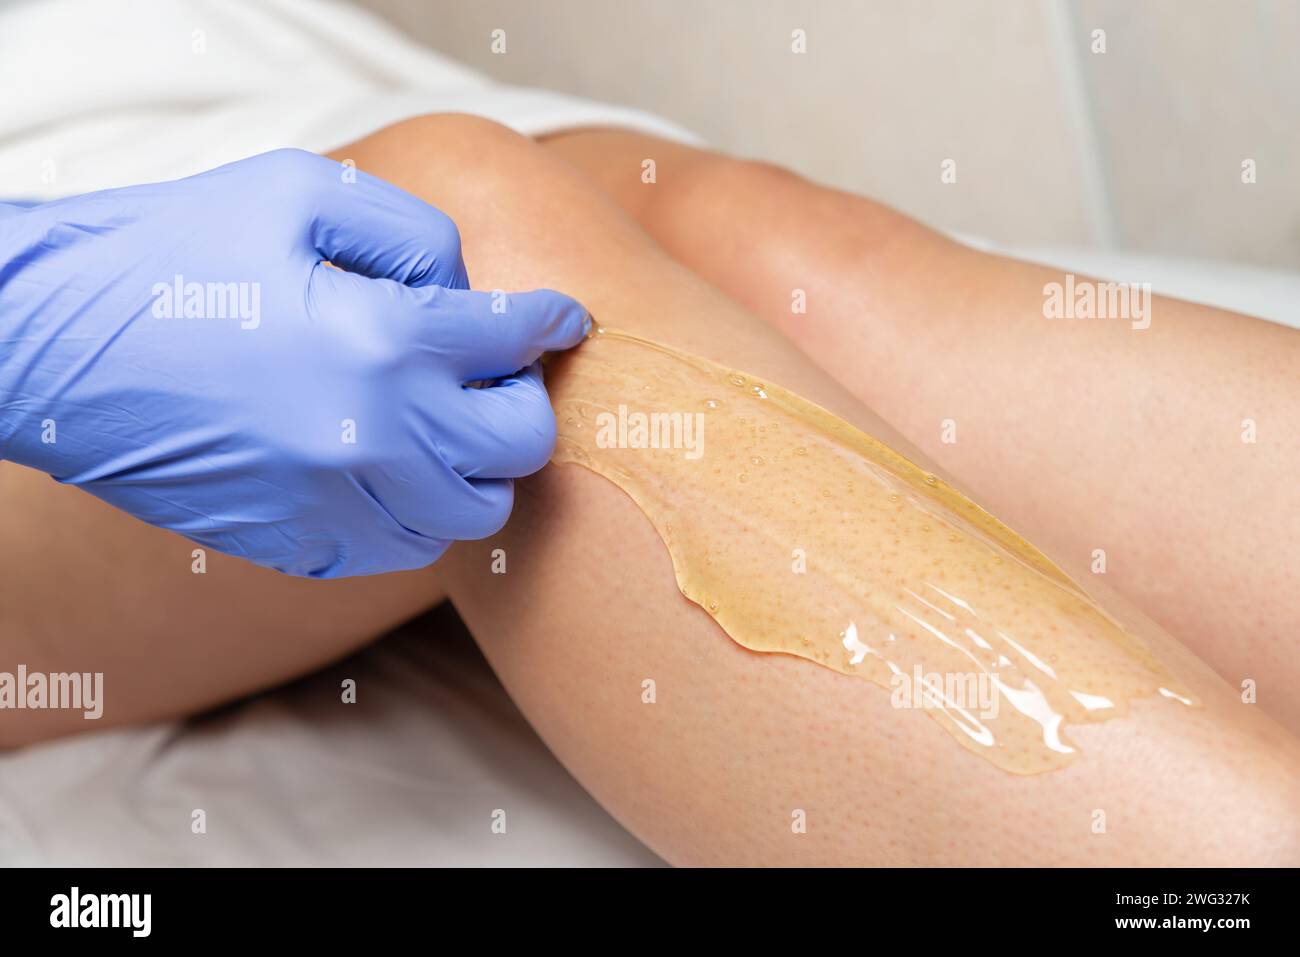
x=104, y=93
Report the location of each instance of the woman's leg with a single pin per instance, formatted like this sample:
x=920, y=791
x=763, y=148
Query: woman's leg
x=737, y=743
x=589, y=608
x=1086, y=434
x=86, y=588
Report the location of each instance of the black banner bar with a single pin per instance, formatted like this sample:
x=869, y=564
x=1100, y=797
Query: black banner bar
x=332, y=906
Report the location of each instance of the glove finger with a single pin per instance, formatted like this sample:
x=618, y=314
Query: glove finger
x=506, y=430
x=487, y=335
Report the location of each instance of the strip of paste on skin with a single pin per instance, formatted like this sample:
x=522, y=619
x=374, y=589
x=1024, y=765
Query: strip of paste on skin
x=802, y=535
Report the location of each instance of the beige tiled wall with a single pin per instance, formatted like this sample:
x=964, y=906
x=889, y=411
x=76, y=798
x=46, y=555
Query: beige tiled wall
x=1140, y=146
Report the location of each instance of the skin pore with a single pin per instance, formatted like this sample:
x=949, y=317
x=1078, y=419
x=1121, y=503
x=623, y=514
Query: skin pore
x=736, y=744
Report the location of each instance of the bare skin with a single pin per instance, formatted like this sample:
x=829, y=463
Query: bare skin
x=737, y=742
x=84, y=587
x=1084, y=434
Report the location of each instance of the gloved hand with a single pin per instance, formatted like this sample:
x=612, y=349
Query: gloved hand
x=181, y=351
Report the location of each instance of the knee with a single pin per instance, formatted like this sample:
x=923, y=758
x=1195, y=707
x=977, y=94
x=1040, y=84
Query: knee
x=715, y=185
x=716, y=176
x=470, y=143
x=657, y=180
x=457, y=128
x=453, y=160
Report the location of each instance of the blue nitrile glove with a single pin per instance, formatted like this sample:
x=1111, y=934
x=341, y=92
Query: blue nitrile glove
x=181, y=351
